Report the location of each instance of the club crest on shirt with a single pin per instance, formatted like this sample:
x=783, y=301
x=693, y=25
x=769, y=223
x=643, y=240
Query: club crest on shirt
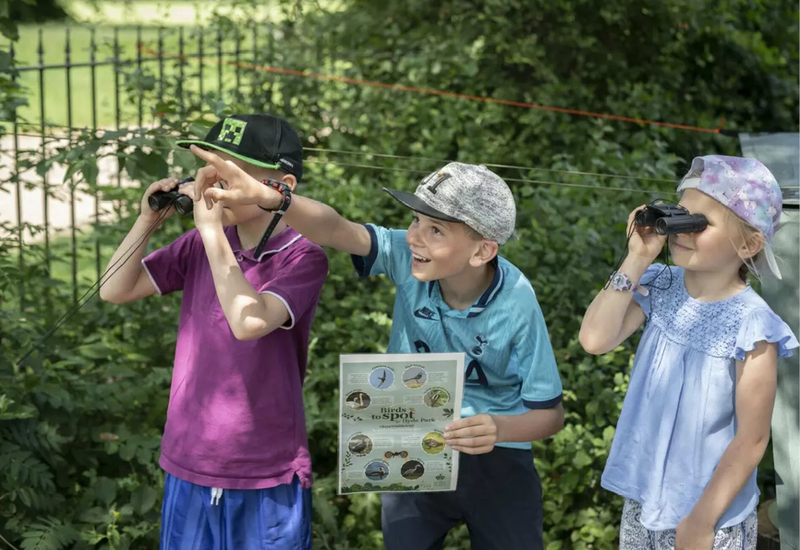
x=482, y=343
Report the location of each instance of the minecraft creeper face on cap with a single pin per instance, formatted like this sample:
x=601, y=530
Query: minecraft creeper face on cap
x=232, y=131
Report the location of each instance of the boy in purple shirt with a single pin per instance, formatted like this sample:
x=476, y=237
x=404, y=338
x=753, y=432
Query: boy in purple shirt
x=235, y=447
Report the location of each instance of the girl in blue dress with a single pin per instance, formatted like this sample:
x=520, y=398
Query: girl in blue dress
x=696, y=419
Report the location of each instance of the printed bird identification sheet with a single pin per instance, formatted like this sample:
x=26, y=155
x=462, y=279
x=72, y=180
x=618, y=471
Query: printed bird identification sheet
x=393, y=409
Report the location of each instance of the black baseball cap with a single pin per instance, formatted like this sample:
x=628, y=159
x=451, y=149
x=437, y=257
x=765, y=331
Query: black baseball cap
x=262, y=140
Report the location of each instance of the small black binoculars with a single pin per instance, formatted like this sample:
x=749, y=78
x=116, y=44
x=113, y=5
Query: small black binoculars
x=163, y=199
x=669, y=220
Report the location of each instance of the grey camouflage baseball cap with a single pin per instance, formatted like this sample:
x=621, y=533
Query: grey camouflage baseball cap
x=465, y=193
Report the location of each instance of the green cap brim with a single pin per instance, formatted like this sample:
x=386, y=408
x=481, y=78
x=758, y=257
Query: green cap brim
x=185, y=143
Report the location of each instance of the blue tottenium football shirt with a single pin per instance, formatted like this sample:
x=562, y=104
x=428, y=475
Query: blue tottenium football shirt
x=510, y=367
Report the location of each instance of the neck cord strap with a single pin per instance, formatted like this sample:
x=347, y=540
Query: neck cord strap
x=286, y=191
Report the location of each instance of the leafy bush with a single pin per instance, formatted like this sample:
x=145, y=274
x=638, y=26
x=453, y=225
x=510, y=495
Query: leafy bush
x=81, y=420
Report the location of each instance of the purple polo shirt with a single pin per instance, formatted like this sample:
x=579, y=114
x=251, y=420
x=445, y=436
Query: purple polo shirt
x=235, y=417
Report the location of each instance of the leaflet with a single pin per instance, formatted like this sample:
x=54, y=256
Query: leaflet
x=393, y=409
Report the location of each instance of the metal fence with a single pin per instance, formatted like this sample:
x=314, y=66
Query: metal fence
x=112, y=79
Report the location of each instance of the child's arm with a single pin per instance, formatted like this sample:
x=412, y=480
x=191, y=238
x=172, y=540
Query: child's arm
x=321, y=224
x=755, y=398
x=127, y=280
x=480, y=433
x=613, y=315
x=250, y=315
x=540, y=392
x=317, y=222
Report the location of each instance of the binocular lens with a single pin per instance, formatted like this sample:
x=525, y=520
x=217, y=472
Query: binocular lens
x=184, y=205
x=645, y=217
x=163, y=199
x=159, y=200
x=692, y=223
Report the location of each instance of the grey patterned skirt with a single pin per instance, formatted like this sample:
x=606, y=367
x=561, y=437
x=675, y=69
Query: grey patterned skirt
x=634, y=536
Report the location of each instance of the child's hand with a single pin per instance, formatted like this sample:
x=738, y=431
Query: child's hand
x=148, y=214
x=645, y=242
x=206, y=218
x=694, y=534
x=473, y=435
x=242, y=187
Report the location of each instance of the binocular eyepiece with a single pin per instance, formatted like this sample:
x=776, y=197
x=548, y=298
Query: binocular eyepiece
x=164, y=199
x=670, y=220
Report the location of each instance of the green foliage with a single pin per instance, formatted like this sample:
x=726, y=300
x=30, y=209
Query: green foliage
x=81, y=420
x=23, y=11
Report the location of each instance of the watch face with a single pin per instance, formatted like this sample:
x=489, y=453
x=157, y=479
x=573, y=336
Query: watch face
x=618, y=281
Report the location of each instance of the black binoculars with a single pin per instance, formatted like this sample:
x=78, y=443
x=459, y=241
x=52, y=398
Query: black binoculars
x=163, y=199
x=669, y=220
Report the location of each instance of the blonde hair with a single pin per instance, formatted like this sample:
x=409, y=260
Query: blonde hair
x=748, y=233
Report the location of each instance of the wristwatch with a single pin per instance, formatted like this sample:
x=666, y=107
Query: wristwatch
x=281, y=188
x=620, y=281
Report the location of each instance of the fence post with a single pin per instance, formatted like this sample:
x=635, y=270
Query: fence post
x=12, y=55
x=180, y=68
x=92, y=65
x=271, y=62
x=45, y=186
x=160, y=66
x=254, y=71
x=219, y=63
x=287, y=100
x=73, y=236
x=236, y=67
x=200, y=63
x=139, y=46
x=116, y=102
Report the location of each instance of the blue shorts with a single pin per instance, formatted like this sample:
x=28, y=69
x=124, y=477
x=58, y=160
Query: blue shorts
x=278, y=518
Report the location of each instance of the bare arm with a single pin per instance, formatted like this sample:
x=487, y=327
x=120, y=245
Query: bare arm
x=755, y=398
x=317, y=222
x=321, y=224
x=480, y=433
x=533, y=425
x=126, y=280
x=250, y=315
x=613, y=315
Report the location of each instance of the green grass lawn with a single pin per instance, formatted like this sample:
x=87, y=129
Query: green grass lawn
x=96, y=103
x=100, y=99
x=166, y=13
